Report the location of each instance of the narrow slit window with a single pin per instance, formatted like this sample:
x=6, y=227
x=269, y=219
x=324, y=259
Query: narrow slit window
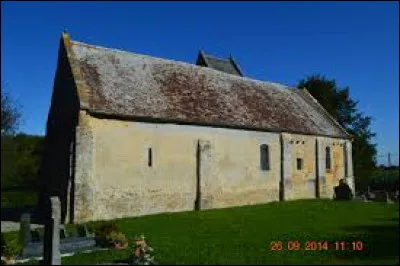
x=264, y=157
x=299, y=163
x=328, y=158
x=150, y=157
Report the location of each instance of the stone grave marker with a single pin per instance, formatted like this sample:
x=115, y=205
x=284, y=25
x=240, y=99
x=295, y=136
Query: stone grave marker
x=38, y=235
x=82, y=230
x=25, y=228
x=51, y=243
x=63, y=232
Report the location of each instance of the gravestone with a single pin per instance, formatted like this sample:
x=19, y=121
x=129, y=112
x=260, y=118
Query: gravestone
x=38, y=235
x=370, y=195
x=53, y=240
x=25, y=231
x=63, y=232
x=25, y=228
x=380, y=196
x=388, y=199
x=362, y=198
x=342, y=192
x=51, y=243
x=82, y=230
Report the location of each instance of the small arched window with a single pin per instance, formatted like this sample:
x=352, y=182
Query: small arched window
x=264, y=157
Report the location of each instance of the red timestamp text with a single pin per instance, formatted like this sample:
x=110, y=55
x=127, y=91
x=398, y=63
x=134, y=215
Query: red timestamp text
x=293, y=245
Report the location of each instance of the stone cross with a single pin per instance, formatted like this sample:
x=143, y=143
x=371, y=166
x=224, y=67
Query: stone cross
x=51, y=243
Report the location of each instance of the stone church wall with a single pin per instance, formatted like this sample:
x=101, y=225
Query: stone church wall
x=115, y=178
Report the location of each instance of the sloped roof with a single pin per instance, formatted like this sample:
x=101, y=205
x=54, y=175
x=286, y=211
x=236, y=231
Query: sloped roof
x=125, y=84
x=225, y=65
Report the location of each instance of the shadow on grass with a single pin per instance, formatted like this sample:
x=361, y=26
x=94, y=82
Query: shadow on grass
x=379, y=242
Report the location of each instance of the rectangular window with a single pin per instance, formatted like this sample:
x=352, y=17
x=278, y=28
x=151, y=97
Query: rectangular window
x=264, y=157
x=299, y=163
x=150, y=157
x=328, y=158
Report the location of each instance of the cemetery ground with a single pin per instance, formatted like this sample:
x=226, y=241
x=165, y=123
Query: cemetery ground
x=247, y=235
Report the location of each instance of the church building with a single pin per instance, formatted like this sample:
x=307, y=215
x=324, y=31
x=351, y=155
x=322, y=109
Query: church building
x=131, y=134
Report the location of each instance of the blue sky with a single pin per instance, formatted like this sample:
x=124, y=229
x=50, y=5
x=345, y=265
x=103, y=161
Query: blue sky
x=356, y=43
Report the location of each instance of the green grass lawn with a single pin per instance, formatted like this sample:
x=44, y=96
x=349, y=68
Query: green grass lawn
x=243, y=235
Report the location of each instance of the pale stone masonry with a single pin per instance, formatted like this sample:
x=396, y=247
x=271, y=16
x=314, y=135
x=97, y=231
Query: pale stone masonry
x=130, y=135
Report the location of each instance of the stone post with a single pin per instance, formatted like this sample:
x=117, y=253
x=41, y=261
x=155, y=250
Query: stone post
x=51, y=243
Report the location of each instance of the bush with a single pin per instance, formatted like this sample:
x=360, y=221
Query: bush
x=107, y=227
x=118, y=240
x=103, y=233
x=12, y=248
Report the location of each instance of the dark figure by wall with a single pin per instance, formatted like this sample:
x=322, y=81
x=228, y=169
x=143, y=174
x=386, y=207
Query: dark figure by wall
x=343, y=191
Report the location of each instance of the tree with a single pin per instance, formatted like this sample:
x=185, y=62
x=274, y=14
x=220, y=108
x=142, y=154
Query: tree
x=341, y=107
x=10, y=114
x=20, y=160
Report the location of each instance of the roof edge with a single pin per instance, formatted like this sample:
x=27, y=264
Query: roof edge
x=325, y=112
x=82, y=90
x=236, y=65
x=203, y=55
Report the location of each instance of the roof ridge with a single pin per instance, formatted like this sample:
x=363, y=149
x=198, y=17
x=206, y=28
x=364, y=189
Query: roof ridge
x=217, y=58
